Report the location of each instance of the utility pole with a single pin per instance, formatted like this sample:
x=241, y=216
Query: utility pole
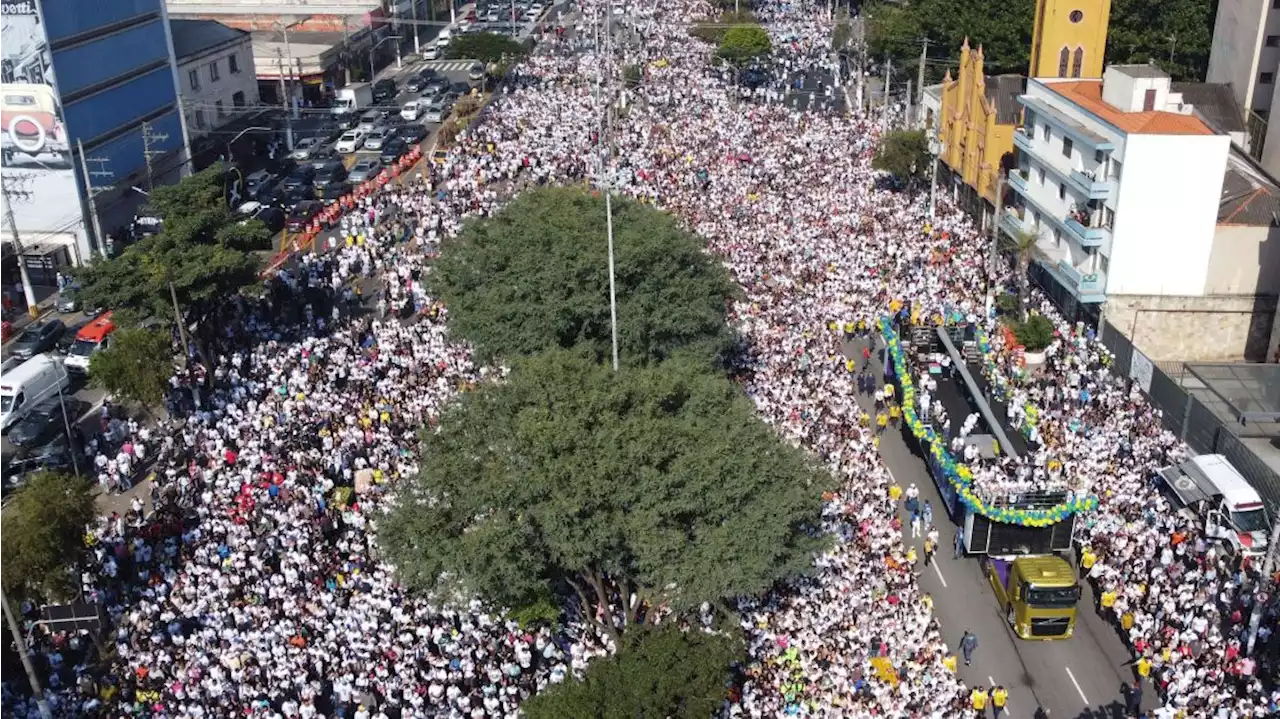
x=28, y=291
x=98, y=240
x=888, y=73
x=908, y=118
x=346, y=52
x=182, y=326
x=148, y=137
x=284, y=98
x=288, y=54
x=606, y=162
x=933, y=186
x=924, y=58
x=417, y=49
x=42, y=704
x=862, y=65
x=993, y=250
x=1267, y=588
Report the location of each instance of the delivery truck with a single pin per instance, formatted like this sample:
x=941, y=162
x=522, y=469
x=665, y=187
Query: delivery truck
x=354, y=98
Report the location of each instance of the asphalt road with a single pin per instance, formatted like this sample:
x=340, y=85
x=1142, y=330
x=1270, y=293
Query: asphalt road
x=1081, y=677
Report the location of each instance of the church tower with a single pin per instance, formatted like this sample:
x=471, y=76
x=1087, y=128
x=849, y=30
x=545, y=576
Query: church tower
x=1069, y=38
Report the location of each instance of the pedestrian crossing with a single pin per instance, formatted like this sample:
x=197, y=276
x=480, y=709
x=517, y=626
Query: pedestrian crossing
x=446, y=65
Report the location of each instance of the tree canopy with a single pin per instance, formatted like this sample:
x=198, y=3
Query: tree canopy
x=487, y=47
x=536, y=276
x=203, y=248
x=1140, y=31
x=904, y=154
x=657, y=673
x=657, y=480
x=44, y=529
x=134, y=366
x=745, y=42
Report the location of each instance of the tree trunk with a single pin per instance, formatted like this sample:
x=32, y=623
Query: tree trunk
x=597, y=582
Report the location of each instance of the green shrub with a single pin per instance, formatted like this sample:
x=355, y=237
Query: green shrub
x=1007, y=303
x=1035, y=334
x=541, y=610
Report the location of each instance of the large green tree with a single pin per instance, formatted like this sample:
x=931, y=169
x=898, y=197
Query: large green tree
x=201, y=255
x=486, y=47
x=744, y=43
x=568, y=477
x=904, y=154
x=660, y=672
x=1140, y=31
x=134, y=366
x=44, y=529
x=536, y=275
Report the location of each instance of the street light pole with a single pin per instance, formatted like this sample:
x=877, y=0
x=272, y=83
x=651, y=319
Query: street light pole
x=42, y=704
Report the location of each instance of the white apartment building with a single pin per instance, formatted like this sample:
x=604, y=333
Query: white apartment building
x=217, y=79
x=1245, y=54
x=1124, y=188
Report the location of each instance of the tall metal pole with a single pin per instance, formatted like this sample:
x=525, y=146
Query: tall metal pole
x=608, y=183
x=1268, y=586
x=993, y=250
x=284, y=99
x=42, y=704
x=182, y=326
x=417, y=49
x=27, y=290
x=933, y=187
x=924, y=58
x=288, y=54
x=66, y=423
x=888, y=73
x=88, y=189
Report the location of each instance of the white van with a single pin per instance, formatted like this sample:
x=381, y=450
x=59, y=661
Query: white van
x=24, y=388
x=1210, y=487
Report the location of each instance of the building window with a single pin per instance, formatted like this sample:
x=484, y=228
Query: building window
x=1098, y=157
x=1040, y=175
x=1057, y=237
x=1115, y=170
x=1066, y=147
x=238, y=99
x=1062, y=191
x=213, y=71
x=199, y=119
x=1103, y=263
x=221, y=112
x=1046, y=133
x=233, y=64
x=1076, y=16
x=1063, y=58
x=193, y=77
x=1108, y=217
x=1266, y=78
x=1077, y=62
x=1036, y=217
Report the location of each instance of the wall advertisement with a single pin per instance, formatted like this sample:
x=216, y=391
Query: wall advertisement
x=38, y=164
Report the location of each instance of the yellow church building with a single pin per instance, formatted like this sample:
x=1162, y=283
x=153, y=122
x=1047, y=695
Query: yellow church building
x=974, y=115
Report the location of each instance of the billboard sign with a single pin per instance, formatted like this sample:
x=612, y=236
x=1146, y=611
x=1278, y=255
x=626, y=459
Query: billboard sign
x=38, y=164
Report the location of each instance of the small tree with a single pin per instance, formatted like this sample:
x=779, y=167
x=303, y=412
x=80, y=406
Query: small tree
x=745, y=42
x=44, y=536
x=135, y=367
x=658, y=673
x=1035, y=333
x=1022, y=245
x=903, y=154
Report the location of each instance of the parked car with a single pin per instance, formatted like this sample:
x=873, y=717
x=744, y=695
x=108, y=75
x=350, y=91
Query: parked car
x=332, y=192
x=350, y=141
x=302, y=214
x=347, y=121
x=415, y=83
x=42, y=423
x=68, y=338
x=303, y=148
x=438, y=110
x=38, y=337
x=301, y=176
x=384, y=90
x=411, y=110
x=431, y=53
x=476, y=72
x=55, y=457
x=333, y=172
x=413, y=133
x=271, y=217
x=393, y=151
x=377, y=137
x=459, y=88
x=364, y=170
x=69, y=301
x=437, y=86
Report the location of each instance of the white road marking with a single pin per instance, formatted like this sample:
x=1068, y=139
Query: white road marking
x=1079, y=691
x=934, y=564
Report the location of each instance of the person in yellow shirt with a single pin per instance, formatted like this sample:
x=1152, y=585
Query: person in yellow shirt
x=950, y=662
x=999, y=697
x=1144, y=667
x=895, y=493
x=1108, y=599
x=979, y=698
x=895, y=414
x=1088, y=559
x=882, y=421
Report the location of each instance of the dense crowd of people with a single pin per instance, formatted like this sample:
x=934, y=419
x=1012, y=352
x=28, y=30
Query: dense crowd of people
x=254, y=586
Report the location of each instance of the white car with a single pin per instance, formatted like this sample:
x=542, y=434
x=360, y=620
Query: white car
x=431, y=53
x=350, y=141
x=411, y=110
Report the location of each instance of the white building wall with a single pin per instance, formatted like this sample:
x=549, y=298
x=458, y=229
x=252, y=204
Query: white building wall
x=207, y=79
x=1238, y=34
x=1166, y=214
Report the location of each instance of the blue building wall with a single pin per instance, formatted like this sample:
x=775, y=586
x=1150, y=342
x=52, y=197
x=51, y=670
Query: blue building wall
x=108, y=53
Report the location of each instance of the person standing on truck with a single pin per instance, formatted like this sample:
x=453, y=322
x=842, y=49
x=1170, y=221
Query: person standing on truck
x=968, y=643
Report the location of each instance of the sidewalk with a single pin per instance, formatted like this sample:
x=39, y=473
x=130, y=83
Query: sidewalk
x=46, y=298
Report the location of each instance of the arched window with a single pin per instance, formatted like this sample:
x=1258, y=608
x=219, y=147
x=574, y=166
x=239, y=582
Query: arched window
x=1063, y=58
x=1077, y=62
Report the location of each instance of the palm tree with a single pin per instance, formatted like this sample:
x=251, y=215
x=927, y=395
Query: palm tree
x=1022, y=245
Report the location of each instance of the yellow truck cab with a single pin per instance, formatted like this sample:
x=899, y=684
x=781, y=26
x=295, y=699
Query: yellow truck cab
x=1038, y=594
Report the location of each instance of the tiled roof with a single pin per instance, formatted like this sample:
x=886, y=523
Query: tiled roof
x=1214, y=103
x=1088, y=95
x=1002, y=93
x=192, y=37
x=1249, y=195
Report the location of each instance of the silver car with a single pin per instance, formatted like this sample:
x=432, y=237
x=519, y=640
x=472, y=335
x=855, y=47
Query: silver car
x=379, y=136
x=303, y=148
x=439, y=109
x=364, y=170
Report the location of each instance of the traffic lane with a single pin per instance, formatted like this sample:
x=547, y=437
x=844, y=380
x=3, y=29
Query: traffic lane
x=1077, y=677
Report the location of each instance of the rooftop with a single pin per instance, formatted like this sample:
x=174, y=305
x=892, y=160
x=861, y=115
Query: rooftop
x=1214, y=103
x=1249, y=195
x=1002, y=92
x=192, y=37
x=267, y=7
x=1139, y=71
x=1087, y=94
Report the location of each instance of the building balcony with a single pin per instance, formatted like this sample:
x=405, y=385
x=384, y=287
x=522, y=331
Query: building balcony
x=1087, y=236
x=1018, y=178
x=1012, y=223
x=1023, y=140
x=1088, y=186
x=1087, y=286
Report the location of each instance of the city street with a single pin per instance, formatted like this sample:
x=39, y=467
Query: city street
x=1080, y=677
